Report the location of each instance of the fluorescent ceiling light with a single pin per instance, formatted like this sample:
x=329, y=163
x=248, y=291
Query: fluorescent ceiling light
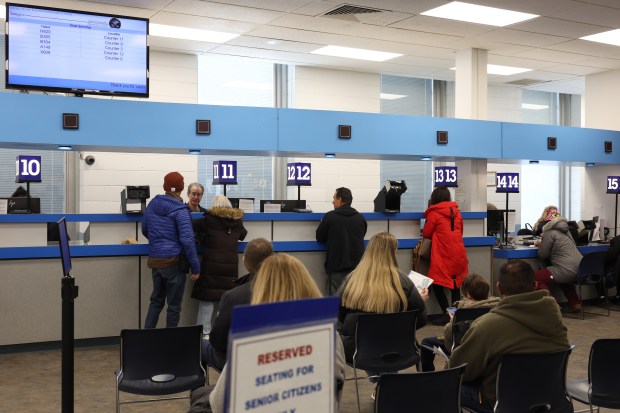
x=533, y=106
x=185, y=33
x=611, y=37
x=248, y=85
x=472, y=13
x=390, y=96
x=352, y=53
x=502, y=70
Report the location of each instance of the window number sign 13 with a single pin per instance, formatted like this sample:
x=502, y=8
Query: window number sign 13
x=298, y=173
x=613, y=184
x=224, y=172
x=446, y=176
x=507, y=182
x=27, y=168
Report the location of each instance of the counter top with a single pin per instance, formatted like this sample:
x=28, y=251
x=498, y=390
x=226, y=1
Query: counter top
x=532, y=252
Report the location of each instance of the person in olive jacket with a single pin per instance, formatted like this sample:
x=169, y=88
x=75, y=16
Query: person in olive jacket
x=219, y=232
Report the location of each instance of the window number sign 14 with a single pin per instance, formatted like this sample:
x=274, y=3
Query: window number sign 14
x=613, y=184
x=298, y=173
x=446, y=176
x=224, y=172
x=507, y=182
x=27, y=168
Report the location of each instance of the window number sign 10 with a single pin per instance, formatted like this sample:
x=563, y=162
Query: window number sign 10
x=27, y=168
x=224, y=172
x=507, y=182
x=298, y=173
x=446, y=176
x=613, y=184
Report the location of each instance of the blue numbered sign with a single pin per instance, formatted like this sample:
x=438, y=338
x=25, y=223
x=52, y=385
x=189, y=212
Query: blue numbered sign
x=298, y=173
x=507, y=182
x=224, y=172
x=27, y=168
x=446, y=176
x=613, y=184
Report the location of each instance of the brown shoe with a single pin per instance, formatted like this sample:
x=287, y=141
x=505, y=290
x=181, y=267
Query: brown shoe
x=574, y=308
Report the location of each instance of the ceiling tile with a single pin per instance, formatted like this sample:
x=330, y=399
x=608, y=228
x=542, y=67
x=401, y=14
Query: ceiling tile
x=592, y=14
x=575, y=70
x=444, y=26
x=223, y=11
x=523, y=38
x=588, y=48
x=207, y=23
x=558, y=27
x=551, y=56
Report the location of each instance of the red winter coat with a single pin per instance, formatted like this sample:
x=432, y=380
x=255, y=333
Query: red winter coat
x=444, y=225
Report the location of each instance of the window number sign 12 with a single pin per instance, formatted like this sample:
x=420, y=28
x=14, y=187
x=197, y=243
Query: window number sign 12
x=507, y=182
x=613, y=184
x=446, y=176
x=224, y=172
x=27, y=168
x=298, y=173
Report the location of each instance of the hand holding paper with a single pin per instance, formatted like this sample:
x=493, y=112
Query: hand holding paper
x=419, y=280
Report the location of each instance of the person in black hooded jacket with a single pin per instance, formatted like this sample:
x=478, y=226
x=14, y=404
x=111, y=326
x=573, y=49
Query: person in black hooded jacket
x=343, y=230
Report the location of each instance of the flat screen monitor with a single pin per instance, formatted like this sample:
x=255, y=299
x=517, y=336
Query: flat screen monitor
x=495, y=217
x=23, y=205
x=286, y=205
x=63, y=241
x=78, y=52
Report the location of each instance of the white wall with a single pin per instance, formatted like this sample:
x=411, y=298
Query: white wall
x=174, y=78
x=504, y=104
x=326, y=89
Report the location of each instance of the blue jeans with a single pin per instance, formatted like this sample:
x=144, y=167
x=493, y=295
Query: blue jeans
x=470, y=397
x=168, y=285
x=211, y=357
x=205, y=315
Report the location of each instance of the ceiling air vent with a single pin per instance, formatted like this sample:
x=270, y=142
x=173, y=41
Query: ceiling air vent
x=525, y=82
x=349, y=9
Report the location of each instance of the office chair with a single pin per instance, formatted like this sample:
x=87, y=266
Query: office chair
x=463, y=318
x=592, y=272
x=159, y=361
x=601, y=388
x=433, y=391
x=385, y=343
x=533, y=382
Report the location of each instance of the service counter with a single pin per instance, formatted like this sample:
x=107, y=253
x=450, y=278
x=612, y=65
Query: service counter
x=115, y=283
x=530, y=255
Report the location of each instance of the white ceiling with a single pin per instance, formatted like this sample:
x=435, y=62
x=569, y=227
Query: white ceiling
x=285, y=31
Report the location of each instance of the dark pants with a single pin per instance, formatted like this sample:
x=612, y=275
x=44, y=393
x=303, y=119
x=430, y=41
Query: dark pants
x=211, y=357
x=543, y=276
x=334, y=280
x=168, y=285
x=427, y=356
x=437, y=290
x=470, y=397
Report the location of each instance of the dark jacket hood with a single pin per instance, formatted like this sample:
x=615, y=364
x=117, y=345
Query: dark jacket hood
x=557, y=223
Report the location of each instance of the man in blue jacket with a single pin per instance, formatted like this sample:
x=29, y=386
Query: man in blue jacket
x=168, y=226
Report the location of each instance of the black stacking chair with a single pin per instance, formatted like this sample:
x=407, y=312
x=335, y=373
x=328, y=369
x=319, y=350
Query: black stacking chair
x=385, y=343
x=158, y=362
x=433, y=391
x=601, y=388
x=592, y=272
x=463, y=318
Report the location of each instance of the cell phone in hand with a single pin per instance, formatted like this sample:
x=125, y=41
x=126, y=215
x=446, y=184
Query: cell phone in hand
x=451, y=310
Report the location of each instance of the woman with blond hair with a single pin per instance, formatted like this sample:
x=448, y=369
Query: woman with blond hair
x=376, y=285
x=548, y=214
x=281, y=277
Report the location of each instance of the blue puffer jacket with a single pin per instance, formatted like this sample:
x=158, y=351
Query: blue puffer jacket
x=168, y=226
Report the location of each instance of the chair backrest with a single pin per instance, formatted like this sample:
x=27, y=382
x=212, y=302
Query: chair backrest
x=592, y=267
x=603, y=369
x=462, y=320
x=434, y=391
x=386, y=341
x=150, y=352
x=533, y=382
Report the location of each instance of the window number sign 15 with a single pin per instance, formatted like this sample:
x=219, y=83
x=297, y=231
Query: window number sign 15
x=446, y=176
x=224, y=172
x=27, y=168
x=507, y=182
x=298, y=173
x=613, y=184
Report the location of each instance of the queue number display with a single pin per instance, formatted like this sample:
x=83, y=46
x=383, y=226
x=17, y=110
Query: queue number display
x=613, y=184
x=224, y=172
x=507, y=182
x=27, y=168
x=298, y=173
x=446, y=176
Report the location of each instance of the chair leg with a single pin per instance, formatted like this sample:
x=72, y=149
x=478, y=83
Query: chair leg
x=357, y=391
x=118, y=404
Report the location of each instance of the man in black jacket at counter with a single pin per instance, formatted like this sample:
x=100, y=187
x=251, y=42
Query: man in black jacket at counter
x=215, y=347
x=343, y=230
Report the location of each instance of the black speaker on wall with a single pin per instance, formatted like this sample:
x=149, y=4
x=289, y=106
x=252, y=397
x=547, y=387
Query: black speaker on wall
x=344, y=131
x=442, y=137
x=608, y=147
x=70, y=121
x=203, y=127
x=552, y=142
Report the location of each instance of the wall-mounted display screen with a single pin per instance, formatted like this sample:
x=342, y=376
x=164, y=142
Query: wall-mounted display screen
x=76, y=52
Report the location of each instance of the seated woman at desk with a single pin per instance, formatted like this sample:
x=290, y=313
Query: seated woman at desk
x=548, y=214
x=561, y=258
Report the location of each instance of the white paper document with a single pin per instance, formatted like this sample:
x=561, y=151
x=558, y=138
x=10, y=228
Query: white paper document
x=419, y=280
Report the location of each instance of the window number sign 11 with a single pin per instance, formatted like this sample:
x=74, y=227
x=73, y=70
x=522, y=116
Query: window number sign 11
x=27, y=168
x=446, y=176
x=507, y=182
x=224, y=172
x=298, y=173
x=613, y=184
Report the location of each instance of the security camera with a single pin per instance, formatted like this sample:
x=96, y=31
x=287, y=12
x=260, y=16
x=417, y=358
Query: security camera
x=89, y=160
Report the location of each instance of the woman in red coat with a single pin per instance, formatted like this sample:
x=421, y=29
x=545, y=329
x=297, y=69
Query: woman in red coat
x=444, y=226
